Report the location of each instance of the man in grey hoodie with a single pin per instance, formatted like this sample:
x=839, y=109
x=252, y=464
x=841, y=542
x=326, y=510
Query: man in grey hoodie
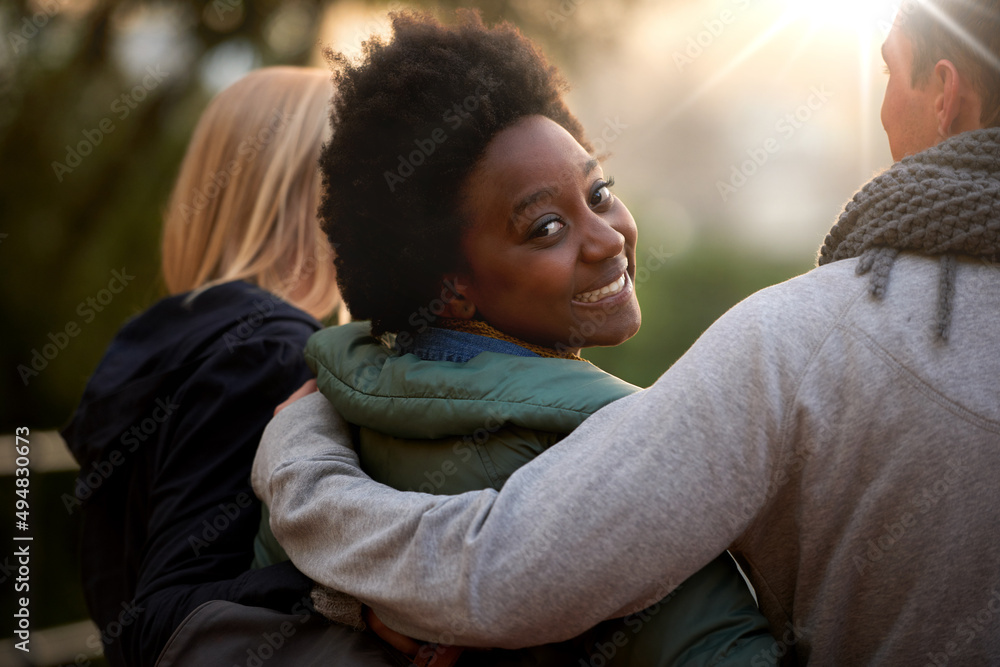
x=839, y=433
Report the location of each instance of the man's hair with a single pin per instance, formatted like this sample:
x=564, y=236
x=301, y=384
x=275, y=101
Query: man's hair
x=410, y=122
x=966, y=32
x=244, y=204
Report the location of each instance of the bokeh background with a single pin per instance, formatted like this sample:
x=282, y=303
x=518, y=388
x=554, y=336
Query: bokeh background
x=735, y=129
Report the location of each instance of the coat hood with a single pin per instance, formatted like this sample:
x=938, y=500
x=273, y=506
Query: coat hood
x=406, y=397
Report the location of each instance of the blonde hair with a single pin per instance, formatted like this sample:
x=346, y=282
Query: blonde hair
x=244, y=204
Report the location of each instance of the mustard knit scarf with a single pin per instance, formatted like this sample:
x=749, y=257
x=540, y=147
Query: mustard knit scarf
x=480, y=328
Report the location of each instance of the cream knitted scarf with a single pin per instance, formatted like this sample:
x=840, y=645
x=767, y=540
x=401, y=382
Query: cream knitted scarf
x=942, y=202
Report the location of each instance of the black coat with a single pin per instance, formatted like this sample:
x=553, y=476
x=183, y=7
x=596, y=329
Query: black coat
x=165, y=436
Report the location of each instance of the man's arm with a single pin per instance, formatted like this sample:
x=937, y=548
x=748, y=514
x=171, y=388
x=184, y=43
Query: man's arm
x=643, y=494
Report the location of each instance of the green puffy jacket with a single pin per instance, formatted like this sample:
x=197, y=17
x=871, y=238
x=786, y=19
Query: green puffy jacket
x=446, y=428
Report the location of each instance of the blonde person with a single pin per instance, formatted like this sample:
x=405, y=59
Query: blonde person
x=168, y=425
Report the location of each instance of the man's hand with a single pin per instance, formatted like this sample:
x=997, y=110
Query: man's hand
x=424, y=655
x=303, y=391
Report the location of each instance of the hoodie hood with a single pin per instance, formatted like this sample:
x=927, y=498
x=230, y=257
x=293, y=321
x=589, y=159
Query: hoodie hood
x=157, y=350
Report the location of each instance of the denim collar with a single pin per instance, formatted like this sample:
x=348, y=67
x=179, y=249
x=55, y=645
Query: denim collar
x=434, y=344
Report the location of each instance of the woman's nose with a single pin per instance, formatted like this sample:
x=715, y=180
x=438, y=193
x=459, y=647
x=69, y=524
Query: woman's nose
x=601, y=240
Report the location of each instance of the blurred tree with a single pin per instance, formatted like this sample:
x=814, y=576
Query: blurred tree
x=99, y=101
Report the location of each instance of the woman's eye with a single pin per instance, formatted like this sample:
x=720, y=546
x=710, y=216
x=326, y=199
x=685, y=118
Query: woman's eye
x=602, y=195
x=548, y=228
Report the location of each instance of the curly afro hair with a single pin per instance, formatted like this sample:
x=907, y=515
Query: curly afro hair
x=410, y=122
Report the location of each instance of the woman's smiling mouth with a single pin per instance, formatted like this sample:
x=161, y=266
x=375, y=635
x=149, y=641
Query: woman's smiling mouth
x=604, y=292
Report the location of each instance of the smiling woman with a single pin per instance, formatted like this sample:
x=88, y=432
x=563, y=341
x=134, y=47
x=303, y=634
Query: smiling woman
x=508, y=235
x=562, y=255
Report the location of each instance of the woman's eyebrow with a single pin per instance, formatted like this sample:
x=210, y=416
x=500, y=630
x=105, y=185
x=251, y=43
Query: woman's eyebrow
x=529, y=200
x=546, y=193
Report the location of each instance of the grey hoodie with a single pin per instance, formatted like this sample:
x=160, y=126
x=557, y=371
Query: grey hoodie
x=847, y=457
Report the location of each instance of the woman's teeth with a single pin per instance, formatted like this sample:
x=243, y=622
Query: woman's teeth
x=606, y=291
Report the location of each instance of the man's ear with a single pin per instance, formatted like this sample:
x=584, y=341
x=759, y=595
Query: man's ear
x=455, y=294
x=957, y=106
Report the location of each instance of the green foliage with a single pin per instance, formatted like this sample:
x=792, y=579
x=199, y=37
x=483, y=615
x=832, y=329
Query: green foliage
x=90, y=152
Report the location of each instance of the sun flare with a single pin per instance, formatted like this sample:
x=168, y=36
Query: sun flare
x=858, y=14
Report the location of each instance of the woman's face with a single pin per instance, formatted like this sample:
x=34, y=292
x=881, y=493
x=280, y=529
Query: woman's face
x=550, y=252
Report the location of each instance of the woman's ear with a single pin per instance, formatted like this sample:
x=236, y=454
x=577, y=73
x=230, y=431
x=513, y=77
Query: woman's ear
x=454, y=293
